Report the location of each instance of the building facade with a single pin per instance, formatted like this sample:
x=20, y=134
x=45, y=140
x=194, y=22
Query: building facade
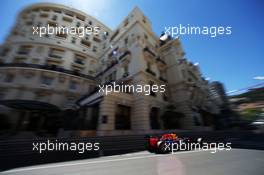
x=62, y=72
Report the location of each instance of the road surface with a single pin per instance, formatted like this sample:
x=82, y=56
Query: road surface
x=233, y=162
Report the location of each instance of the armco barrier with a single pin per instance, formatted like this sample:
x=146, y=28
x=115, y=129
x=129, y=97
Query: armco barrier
x=18, y=152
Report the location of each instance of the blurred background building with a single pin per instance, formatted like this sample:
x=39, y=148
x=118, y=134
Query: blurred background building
x=50, y=82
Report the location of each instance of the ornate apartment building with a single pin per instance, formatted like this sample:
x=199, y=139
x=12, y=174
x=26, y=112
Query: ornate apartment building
x=40, y=76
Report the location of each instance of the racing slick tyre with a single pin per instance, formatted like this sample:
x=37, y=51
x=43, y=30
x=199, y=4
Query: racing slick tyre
x=163, y=148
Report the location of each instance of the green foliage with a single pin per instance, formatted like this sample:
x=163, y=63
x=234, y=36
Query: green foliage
x=251, y=114
x=253, y=95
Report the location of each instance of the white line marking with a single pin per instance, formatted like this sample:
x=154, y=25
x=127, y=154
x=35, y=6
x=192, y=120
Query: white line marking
x=99, y=161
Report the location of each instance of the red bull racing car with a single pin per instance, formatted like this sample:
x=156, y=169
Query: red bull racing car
x=163, y=144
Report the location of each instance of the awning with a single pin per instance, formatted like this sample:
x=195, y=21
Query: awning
x=30, y=105
x=91, y=103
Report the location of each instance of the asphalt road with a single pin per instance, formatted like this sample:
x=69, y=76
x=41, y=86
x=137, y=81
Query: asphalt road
x=233, y=162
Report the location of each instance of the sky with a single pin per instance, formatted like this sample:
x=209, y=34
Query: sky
x=236, y=60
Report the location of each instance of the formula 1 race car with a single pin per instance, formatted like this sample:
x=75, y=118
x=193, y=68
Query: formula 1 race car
x=165, y=143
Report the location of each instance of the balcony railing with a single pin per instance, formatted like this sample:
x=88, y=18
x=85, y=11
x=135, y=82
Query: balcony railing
x=124, y=54
x=163, y=79
x=112, y=64
x=151, y=72
x=78, y=62
x=55, y=56
x=146, y=49
x=47, y=67
x=22, y=52
x=161, y=61
x=125, y=74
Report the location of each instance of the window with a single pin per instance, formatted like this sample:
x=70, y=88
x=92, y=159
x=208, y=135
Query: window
x=46, y=80
x=42, y=97
x=47, y=35
x=145, y=36
x=126, y=22
x=77, y=56
x=73, y=85
x=61, y=35
x=114, y=76
x=78, y=61
x=9, y=78
x=20, y=60
x=183, y=74
x=165, y=97
x=105, y=35
x=44, y=15
x=86, y=43
x=96, y=39
x=78, y=24
x=80, y=17
x=149, y=65
x=122, y=117
x=40, y=49
x=67, y=19
x=70, y=100
x=56, y=53
x=73, y=41
x=193, y=77
x=29, y=23
x=94, y=49
x=24, y=50
x=35, y=60
x=154, y=118
x=126, y=41
x=54, y=17
x=2, y=94
x=126, y=68
x=144, y=19
x=4, y=52
x=114, y=35
x=69, y=13
x=104, y=119
x=52, y=24
x=57, y=11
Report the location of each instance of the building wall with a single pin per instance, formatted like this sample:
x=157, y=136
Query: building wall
x=27, y=57
x=61, y=69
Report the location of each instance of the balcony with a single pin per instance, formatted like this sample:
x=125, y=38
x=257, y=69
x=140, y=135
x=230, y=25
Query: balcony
x=126, y=74
x=112, y=64
x=78, y=64
x=125, y=58
x=55, y=58
x=163, y=79
x=61, y=35
x=67, y=19
x=150, y=72
x=159, y=60
x=147, y=50
x=47, y=67
x=20, y=60
x=23, y=52
x=149, y=55
x=86, y=43
x=125, y=55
